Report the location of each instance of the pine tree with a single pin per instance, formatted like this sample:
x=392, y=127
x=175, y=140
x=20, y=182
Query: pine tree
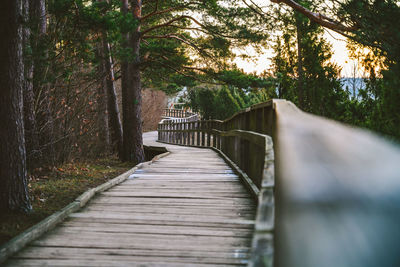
x=303, y=68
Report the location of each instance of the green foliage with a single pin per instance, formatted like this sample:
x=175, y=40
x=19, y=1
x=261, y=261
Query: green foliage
x=318, y=76
x=225, y=104
x=242, y=80
x=223, y=101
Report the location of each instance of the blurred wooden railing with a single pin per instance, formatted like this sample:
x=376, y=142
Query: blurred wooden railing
x=177, y=113
x=337, y=190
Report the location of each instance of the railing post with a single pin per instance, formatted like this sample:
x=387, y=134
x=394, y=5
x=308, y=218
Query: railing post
x=218, y=140
x=188, y=133
x=169, y=133
x=184, y=133
x=173, y=133
x=203, y=134
x=198, y=125
x=164, y=127
x=208, y=126
x=192, y=133
x=180, y=131
x=166, y=132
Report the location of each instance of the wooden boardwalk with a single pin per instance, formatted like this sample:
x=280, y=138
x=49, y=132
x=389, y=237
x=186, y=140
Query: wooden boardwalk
x=186, y=209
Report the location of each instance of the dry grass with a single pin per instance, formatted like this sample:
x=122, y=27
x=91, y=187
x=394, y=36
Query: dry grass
x=51, y=189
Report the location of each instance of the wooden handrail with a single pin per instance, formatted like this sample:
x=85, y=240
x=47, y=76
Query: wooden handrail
x=337, y=187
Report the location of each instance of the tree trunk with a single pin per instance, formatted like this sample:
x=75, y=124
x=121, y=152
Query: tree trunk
x=133, y=140
x=300, y=73
x=103, y=121
x=13, y=174
x=124, y=78
x=114, y=114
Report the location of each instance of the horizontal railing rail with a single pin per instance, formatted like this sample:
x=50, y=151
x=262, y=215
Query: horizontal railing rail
x=337, y=187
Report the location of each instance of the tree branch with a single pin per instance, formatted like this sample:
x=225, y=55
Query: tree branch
x=319, y=18
x=155, y=12
x=179, y=38
x=172, y=21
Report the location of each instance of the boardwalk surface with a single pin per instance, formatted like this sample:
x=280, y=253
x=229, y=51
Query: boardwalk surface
x=186, y=209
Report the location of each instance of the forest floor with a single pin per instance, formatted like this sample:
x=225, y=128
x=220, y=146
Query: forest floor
x=53, y=188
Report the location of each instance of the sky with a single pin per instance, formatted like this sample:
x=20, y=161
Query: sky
x=339, y=49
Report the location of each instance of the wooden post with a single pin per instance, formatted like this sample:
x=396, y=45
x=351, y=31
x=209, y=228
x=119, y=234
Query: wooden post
x=193, y=133
x=184, y=133
x=198, y=125
x=208, y=127
x=187, y=133
x=173, y=136
x=190, y=133
x=203, y=134
x=182, y=127
x=166, y=133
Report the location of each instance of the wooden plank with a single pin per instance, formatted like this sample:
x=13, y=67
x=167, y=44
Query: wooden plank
x=157, y=229
x=101, y=263
x=135, y=259
x=67, y=233
x=193, y=216
x=70, y=252
x=204, y=208
x=222, y=224
x=166, y=218
x=155, y=201
x=156, y=194
x=141, y=243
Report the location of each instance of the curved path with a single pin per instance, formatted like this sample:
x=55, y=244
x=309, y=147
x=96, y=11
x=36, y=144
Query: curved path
x=186, y=209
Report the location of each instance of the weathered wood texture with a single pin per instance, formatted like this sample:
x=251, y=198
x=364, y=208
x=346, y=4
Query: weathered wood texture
x=338, y=193
x=337, y=189
x=187, y=209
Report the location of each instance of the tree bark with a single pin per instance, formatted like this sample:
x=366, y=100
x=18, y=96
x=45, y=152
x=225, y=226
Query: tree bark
x=103, y=121
x=133, y=140
x=113, y=109
x=124, y=78
x=13, y=174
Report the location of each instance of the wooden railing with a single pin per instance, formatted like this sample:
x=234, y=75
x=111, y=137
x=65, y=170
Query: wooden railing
x=177, y=113
x=337, y=187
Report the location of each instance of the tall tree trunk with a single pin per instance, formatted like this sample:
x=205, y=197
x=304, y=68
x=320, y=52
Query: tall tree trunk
x=114, y=114
x=103, y=121
x=133, y=140
x=300, y=73
x=124, y=78
x=31, y=134
x=13, y=174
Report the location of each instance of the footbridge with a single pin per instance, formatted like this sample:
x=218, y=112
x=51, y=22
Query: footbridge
x=270, y=186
